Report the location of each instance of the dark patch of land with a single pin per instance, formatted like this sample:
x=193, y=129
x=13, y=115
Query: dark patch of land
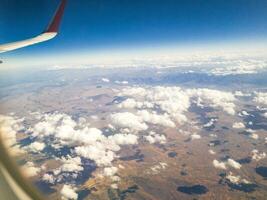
x=191, y=190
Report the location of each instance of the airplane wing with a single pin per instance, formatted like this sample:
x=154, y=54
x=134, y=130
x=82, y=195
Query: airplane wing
x=48, y=34
x=13, y=185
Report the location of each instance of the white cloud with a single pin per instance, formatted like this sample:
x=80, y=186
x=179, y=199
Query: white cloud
x=124, y=139
x=67, y=131
x=130, y=103
x=154, y=118
x=212, y=152
x=155, y=138
x=233, y=163
x=71, y=164
x=9, y=127
x=245, y=113
x=250, y=130
x=98, y=152
x=215, y=99
x=219, y=165
x=251, y=66
x=241, y=94
x=156, y=169
x=260, y=97
x=106, y=80
x=47, y=125
x=210, y=123
x=171, y=100
x=128, y=120
x=121, y=166
x=236, y=179
x=49, y=178
x=223, y=165
x=140, y=120
x=114, y=186
x=122, y=82
x=115, y=178
x=68, y=192
x=256, y=155
x=35, y=146
x=232, y=178
x=265, y=115
x=238, y=125
x=94, y=117
x=88, y=142
x=254, y=136
x=195, y=137
x=110, y=171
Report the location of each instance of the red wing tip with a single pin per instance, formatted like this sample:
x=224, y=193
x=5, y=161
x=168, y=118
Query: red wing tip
x=55, y=23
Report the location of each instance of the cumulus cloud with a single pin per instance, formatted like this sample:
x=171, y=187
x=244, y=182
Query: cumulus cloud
x=110, y=171
x=232, y=178
x=141, y=120
x=128, y=120
x=156, y=169
x=68, y=192
x=265, y=114
x=244, y=113
x=49, y=178
x=35, y=147
x=94, y=117
x=124, y=139
x=114, y=186
x=215, y=99
x=122, y=82
x=171, y=100
x=154, y=118
x=47, y=125
x=260, y=97
x=212, y=152
x=236, y=67
x=71, y=164
x=103, y=152
x=233, y=163
x=9, y=127
x=106, y=80
x=155, y=138
x=195, y=136
x=66, y=131
x=223, y=165
x=91, y=143
x=210, y=123
x=98, y=153
x=219, y=165
x=236, y=179
x=132, y=103
x=254, y=136
x=238, y=125
x=241, y=94
x=256, y=155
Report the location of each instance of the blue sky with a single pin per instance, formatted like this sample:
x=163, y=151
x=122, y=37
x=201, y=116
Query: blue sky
x=127, y=25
